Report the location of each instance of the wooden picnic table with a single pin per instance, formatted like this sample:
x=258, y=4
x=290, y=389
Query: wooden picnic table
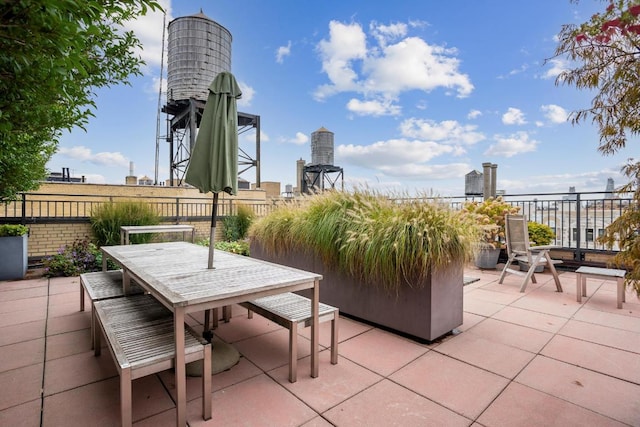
x=176, y=274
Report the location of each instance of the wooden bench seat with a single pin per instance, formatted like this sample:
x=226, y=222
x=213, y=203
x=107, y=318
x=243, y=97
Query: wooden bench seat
x=290, y=310
x=101, y=285
x=599, y=273
x=140, y=335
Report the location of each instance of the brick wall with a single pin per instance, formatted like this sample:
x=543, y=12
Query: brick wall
x=46, y=237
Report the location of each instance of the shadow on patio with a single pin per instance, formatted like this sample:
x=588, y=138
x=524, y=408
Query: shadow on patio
x=538, y=358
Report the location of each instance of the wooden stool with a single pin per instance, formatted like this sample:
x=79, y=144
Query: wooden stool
x=599, y=273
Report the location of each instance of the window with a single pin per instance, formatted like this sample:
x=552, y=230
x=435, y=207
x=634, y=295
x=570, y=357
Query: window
x=589, y=232
x=574, y=233
x=600, y=232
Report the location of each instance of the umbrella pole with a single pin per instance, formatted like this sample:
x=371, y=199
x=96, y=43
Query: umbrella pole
x=212, y=235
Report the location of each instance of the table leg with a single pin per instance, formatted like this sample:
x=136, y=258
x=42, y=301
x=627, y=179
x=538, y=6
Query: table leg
x=180, y=368
x=315, y=330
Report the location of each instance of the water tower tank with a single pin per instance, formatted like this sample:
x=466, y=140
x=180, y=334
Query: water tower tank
x=199, y=48
x=322, y=147
x=474, y=183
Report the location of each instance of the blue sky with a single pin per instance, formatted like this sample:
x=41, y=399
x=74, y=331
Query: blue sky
x=417, y=93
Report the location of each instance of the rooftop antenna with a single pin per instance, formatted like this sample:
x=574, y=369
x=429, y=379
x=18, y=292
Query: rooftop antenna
x=155, y=180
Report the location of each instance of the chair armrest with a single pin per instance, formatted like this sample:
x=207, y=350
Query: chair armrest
x=544, y=247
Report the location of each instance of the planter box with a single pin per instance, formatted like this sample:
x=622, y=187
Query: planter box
x=426, y=312
x=13, y=257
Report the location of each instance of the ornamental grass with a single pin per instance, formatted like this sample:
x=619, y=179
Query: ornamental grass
x=371, y=236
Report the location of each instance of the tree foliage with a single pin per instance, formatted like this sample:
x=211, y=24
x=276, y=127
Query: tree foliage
x=604, y=54
x=53, y=55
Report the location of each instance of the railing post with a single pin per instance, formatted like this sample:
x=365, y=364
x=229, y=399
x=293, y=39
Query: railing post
x=578, y=255
x=177, y=210
x=23, y=220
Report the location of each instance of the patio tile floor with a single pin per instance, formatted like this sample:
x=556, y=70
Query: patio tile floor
x=519, y=359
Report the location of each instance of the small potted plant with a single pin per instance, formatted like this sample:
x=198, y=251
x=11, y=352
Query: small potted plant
x=490, y=215
x=13, y=251
x=539, y=235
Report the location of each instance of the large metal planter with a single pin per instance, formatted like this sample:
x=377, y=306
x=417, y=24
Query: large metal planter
x=13, y=257
x=426, y=311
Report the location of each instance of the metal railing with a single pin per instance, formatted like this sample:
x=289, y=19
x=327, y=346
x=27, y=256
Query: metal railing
x=578, y=219
x=33, y=208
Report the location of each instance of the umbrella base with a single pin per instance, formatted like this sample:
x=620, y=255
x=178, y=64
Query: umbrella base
x=223, y=357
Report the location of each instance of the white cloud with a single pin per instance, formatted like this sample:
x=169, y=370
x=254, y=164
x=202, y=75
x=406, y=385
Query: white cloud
x=513, y=116
x=509, y=146
x=413, y=64
x=86, y=155
x=347, y=42
x=247, y=95
x=403, y=158
x=282, y=52
x=393, y=64
x=250, y=137
x=448, y=131
x=386, y=33
x=374, y=108
x=391, y=153
x=557, y=66
x=148, y=29
x=555, y=113
x=299, y=139
x=474, y=114
x=429, y=172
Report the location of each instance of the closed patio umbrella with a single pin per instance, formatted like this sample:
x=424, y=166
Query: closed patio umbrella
x=213, y=164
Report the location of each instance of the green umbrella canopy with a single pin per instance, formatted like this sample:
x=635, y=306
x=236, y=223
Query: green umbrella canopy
x=213, y=164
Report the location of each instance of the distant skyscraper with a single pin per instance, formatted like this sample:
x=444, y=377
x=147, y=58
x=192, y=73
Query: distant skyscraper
x=610, y=189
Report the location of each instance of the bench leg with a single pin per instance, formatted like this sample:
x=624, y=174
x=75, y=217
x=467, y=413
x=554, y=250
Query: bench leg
x=206, y=383
x=125, y=398
x=621, y=296
x=95, y=336
x=81, y=297
x=334, y=338
x=226, y=313
x=293, y=352
x=579, y=288
x=93, y=327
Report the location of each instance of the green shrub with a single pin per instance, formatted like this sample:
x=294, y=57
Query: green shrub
x=490, y=215
x=107, y=219
x=7, y=230
x=237, y=226
x=73, y=260
x=240, y=247
x=371, y=237
x=540, y=234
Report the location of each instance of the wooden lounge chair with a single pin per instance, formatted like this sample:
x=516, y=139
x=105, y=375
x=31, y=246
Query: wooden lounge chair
x=518, y=249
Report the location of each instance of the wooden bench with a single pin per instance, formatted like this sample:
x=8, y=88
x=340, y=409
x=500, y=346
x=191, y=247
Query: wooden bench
x=101, y=285
x=599, y=273
x=126, y=230
x=290, y=310
x=140, y=335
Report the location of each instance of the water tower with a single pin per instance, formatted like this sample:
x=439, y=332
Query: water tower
x=199, y=48
x=321, y=172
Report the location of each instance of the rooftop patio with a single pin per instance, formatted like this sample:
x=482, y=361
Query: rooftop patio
x=533, y=358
